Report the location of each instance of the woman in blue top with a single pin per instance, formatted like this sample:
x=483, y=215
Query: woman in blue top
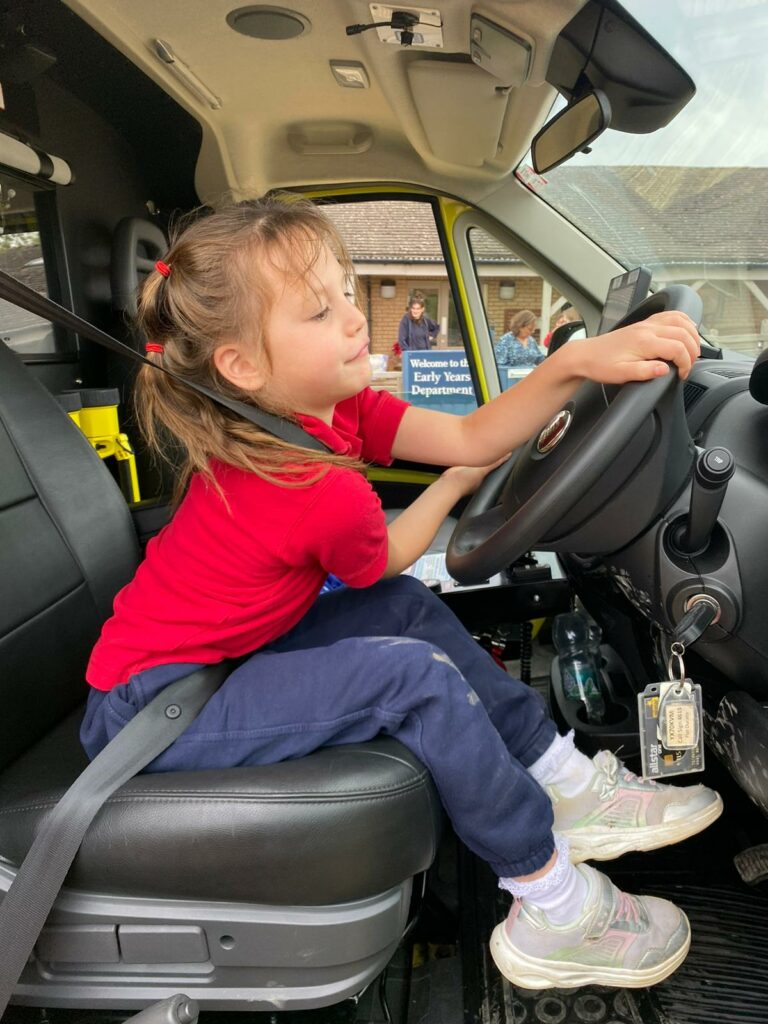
x=518, y=346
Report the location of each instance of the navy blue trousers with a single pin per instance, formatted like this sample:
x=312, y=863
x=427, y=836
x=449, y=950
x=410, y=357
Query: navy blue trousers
x=389, y=659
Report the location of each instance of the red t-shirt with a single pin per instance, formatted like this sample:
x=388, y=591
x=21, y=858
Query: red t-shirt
x=221, y=582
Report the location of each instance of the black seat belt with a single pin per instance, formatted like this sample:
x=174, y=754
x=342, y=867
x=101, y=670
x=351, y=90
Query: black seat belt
x=28, y=902
x=18, y=293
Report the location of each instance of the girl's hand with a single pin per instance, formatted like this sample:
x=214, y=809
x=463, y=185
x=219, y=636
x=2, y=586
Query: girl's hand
x=640, y=351
x=466, y=479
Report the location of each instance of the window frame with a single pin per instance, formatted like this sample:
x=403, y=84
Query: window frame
x=66, y=346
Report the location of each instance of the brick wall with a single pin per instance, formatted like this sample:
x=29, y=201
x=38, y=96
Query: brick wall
x=731, y=308
x=500, y=311
x=385, y=314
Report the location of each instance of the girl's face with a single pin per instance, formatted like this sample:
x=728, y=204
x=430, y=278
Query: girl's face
x=317, y=340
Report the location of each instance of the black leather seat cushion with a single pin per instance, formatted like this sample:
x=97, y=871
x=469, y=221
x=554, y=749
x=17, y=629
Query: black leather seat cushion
x=342, y=824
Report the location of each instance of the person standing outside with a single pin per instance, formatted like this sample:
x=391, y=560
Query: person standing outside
x=568, y=315
x=518, y=346
x=416, y=330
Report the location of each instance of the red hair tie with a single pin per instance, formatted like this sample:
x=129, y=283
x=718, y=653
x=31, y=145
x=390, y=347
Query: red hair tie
x=162, y=268
x=153, y=346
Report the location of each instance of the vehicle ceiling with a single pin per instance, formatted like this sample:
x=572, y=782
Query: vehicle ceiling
x=449, y=129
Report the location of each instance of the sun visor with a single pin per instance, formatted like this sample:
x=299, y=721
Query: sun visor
x=461, y=110
x=604, y=48
x=18, y=156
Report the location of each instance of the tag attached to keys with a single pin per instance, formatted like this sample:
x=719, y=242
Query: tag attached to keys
x=678, y=721
x=670, y=716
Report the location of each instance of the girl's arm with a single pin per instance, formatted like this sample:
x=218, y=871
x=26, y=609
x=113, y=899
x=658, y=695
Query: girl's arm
x=414, y=529
x=638, y=352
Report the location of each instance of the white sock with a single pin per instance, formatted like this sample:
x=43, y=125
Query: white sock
x=560, y=894
x=563, y=766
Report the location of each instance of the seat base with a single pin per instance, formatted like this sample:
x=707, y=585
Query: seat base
x=101, y=951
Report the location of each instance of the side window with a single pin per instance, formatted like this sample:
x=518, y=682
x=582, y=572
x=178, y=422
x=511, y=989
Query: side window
x=21, y=256
x=417, y=350
x=522, y=309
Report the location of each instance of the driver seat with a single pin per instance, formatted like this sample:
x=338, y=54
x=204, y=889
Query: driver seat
x=261, y=888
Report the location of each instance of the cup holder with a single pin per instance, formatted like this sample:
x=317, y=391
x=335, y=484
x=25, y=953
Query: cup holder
x=615, y=714
x=619, y=729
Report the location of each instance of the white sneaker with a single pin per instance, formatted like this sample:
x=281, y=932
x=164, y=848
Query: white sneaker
x=618, y=812
x=619, y=940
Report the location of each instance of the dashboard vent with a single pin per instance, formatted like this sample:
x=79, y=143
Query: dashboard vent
x=692, y=393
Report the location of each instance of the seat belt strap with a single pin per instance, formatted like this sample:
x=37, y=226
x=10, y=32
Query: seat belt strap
x=26, y=905
x=18, y=293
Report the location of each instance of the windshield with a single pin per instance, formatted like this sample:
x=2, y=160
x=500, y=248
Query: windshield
x=690, y=201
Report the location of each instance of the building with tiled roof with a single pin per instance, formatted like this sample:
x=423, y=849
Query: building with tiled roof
x=706, y=227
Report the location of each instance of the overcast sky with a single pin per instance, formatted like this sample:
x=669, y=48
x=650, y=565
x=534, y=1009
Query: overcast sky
x=723, y=45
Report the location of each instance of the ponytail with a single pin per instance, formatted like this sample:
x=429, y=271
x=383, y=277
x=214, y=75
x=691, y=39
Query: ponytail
x=213, y=291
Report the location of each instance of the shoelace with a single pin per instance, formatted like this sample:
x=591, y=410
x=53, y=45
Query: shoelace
x=614, y=773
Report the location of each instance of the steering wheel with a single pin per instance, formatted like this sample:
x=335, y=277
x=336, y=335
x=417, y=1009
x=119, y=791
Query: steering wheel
x=523, y=500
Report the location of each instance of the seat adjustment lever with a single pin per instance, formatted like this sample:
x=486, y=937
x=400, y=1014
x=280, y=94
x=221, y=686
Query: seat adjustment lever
x=178, y=1009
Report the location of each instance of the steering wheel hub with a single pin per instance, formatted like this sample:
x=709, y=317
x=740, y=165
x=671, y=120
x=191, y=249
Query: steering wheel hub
x=554, y=432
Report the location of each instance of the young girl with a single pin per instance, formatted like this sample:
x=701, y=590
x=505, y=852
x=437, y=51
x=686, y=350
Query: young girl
x=255, y=302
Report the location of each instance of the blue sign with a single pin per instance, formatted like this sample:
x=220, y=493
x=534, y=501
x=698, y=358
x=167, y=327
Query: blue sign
x=438, y=379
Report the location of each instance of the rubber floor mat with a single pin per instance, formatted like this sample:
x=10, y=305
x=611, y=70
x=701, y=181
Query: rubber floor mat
x=593, y=1005
x=724, y=979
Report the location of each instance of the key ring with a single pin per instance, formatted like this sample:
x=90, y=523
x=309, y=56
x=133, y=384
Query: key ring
x=677, y=651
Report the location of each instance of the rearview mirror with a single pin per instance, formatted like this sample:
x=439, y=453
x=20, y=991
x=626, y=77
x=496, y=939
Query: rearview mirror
x=571, y=130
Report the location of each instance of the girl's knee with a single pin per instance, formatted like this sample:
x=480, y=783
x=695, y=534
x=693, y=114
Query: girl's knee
x=424, y=669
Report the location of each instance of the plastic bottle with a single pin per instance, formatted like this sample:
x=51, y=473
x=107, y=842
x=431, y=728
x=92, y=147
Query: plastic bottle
x=577, y=646
x=595, y=635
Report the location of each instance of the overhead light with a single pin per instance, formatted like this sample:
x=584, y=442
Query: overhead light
x=350, y=73
x=387, y=289
x=185, y=74
x=507, y=290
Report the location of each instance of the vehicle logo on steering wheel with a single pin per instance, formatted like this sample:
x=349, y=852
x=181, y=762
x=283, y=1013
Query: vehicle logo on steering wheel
x=554, y=432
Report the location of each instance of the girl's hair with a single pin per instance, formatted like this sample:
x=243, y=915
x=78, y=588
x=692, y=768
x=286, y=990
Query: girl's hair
x=525, y=316
x=216, y=291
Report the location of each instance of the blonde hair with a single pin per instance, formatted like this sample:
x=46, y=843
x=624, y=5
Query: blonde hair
x=214, y=293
